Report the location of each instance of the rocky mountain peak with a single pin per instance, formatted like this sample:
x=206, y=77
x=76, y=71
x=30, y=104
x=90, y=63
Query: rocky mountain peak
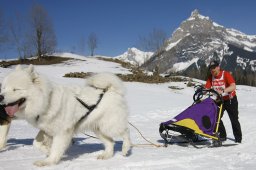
x=195, y=13
x=195, y=24
x=194, y=43
x=135, y=56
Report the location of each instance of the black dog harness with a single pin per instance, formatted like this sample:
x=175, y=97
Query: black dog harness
x=90, y=108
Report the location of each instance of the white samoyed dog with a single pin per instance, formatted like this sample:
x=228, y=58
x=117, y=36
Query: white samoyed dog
x=61, y=111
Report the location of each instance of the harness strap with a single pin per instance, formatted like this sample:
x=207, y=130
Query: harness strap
x=90, y=108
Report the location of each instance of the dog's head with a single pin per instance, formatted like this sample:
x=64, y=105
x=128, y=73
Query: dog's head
x=15, y=90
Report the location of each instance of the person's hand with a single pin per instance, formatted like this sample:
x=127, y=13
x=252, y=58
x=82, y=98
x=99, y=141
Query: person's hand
x=220, y=91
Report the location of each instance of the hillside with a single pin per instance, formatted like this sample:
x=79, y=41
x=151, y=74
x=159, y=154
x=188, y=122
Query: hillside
x=149, y=105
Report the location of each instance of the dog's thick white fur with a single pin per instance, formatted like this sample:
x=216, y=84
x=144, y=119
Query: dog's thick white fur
x=55, y=110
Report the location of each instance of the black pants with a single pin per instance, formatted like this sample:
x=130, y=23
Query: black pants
x=231, y=106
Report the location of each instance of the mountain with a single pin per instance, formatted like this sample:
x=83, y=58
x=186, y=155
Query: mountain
x=194, y=43
x=135, y=56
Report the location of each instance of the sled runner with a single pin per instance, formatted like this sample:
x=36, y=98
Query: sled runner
x=199, y=122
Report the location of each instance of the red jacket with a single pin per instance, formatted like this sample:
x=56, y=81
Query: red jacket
x=222, y=80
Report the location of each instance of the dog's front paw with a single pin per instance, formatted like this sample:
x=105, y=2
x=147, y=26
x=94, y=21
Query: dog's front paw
x=44, y=162
x=105, y=155
x=42, y=147
x=2, y=146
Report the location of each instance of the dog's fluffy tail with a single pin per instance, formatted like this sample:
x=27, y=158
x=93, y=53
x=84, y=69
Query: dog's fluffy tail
x=107, y=81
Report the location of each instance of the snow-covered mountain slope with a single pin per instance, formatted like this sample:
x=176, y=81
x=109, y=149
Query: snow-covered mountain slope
x=135, y=56
x=195, y=42
x=78, y=64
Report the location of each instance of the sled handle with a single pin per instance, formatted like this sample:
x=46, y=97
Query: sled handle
x=201, y=91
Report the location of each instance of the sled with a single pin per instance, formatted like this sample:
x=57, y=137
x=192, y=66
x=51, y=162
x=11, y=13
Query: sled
x=199, y=122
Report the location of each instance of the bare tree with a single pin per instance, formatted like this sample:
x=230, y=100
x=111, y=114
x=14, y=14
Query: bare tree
x=92, y=43
x=43, y=35
x=18, y=38
x=153, y=41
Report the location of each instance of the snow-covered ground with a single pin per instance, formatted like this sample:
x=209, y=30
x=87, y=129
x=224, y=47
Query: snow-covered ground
x=149, y=105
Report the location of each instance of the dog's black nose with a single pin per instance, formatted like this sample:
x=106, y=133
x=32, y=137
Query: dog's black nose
x=1, y=98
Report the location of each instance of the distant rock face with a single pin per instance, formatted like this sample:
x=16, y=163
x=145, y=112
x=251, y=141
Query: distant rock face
x=135, y=56
x=196, y=40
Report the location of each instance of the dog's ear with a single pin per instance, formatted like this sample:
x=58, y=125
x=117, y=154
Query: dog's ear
x=18, y=67
x=30, y=68
x=33, y=74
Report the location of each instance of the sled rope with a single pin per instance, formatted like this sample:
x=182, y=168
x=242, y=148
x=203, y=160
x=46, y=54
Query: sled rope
x=90, y=136
x=149, y=142
x=135, y=145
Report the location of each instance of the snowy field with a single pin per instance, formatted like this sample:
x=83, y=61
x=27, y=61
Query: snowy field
x=149, y=105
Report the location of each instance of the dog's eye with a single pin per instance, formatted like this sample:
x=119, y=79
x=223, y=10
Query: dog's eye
x=15, y=89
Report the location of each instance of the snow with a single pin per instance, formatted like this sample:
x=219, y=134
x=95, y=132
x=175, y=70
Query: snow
x=171, y=45
x=245, y=62
x=247, y=39
x=184, y=65
x=149, y=105
x=235, y=33
x=217, y=25
x=135, y=56
x=192, y=17
x=248, y=49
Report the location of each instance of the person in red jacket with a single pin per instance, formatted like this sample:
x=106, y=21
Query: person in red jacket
x=223, y=82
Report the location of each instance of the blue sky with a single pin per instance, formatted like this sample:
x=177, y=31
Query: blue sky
x=118, y=24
